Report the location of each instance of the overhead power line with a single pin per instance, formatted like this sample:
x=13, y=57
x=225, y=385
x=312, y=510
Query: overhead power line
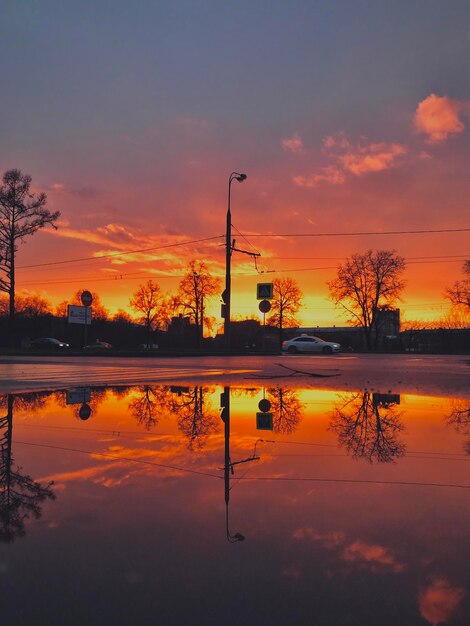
x=361, y=233
x=118, y=254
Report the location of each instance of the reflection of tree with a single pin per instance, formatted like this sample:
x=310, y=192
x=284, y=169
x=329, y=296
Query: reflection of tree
x=459, y=418
x=20, y=495
x=368, y=427
x=286, y=409
x=31, y=401
x=149, y=405
x=195, y=415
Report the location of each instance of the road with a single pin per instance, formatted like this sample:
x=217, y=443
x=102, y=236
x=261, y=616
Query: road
x=396, y=373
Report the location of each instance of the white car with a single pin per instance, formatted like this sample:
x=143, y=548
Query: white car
x=309, y=343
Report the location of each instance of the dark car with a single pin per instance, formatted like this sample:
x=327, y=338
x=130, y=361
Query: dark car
x=49, y=343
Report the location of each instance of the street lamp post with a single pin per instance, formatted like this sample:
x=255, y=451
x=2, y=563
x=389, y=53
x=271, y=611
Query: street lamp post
x=228, y=258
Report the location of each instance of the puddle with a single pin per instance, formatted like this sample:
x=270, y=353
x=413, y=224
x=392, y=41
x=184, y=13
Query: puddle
x=230, y=505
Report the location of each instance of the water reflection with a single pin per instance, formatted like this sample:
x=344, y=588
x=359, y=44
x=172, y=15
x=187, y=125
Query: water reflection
x=459, y=418
x=369, y=426
x=20, y=496
x=287, y=409
x=159, y=478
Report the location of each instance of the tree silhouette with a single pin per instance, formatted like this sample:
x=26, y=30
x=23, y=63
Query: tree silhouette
x=459, y=418
x=149, y=405
x=366, y=283
x=22, y=213
x=368, y=426
x=20, y=495
x=459, y=293
x=148, y=300
x=286, y=303
x=196, y=418
x=196, y=286
x=286, y=408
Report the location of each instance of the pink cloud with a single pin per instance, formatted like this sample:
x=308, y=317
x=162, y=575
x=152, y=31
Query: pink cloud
x=440, y=116
x=329, y=174
x=439, y=601
x=373, y=556
x=372, y=158
x=356, y=159
x=330, y=539
x=294, y=144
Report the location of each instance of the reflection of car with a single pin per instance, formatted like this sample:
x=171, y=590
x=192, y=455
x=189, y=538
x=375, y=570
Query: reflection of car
x=48, y=343
x=99, y=345
x=308, y=343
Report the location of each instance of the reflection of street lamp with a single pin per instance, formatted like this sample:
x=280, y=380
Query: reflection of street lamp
x=228, y=258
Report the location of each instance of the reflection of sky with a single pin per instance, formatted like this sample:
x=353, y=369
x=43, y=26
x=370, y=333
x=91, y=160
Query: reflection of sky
x=138, y=526
x=131, y=120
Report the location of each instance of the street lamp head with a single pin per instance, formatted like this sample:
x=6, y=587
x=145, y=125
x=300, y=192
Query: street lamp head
x=241, y=178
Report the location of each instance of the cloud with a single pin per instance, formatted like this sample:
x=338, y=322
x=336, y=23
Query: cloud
x=86, y=192
x=329, y=174
x=439, y=601
x=440, y=116
x=362, y=158
x=331, y=539
x=372, y=556
x=294, y=144
x=364, y=555
x=372, y=158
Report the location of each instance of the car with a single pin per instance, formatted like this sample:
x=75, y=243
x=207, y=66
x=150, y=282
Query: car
x=309, y=343
x=49, y=343
x=98, y=345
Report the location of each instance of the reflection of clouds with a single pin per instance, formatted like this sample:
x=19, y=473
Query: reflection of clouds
x=119, y=464
x=331, y=539
x=368, y=556
x=439, y=601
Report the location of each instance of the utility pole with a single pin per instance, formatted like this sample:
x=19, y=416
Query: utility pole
x=228, y=259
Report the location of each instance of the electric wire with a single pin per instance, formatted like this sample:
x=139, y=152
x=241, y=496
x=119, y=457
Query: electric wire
x=246, y=478
x=118, y=254
x=361, y=233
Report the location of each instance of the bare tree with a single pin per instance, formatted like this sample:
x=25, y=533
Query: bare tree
x=148, y=300
x=367, y=283
x=459, y=418
x=286, y=408
x=459, y=293
x=22, y=213
x=20, y=496
x=197, y=419
x=368, y=427
x=286, y=303
x=30, y=306
x=149, y=405
x=196, y=286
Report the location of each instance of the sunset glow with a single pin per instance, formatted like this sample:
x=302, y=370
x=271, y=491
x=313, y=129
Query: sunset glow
x=357, y=123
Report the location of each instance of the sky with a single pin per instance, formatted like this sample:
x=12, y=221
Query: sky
x=346, y=117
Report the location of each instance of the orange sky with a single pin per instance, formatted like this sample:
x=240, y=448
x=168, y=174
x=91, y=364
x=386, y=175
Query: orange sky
x=358, y=123
x=417, y=181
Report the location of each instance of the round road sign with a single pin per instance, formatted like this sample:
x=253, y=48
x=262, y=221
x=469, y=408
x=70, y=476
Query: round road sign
x=264, y=306
x=86, y=298
x=264, y=405
x=84, y=411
